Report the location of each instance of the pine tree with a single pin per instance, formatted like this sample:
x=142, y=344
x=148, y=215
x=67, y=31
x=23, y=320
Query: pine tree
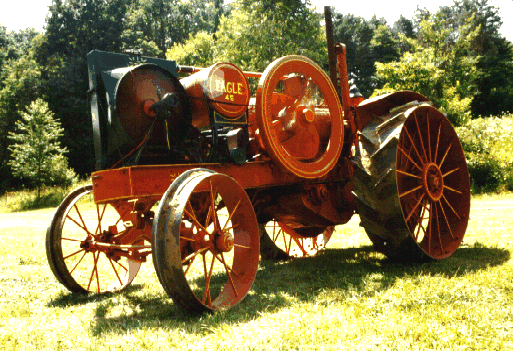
x=36, y=152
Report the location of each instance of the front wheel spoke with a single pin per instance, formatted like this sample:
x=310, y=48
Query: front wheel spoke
x=121, y=266
x=213, y=195
x=80, y=260
x=231, y=214
x=287, y=247
x=74, y=253
x=231, y=270
x=195, y=220
x=276, y=233
x=409, y=158
x=209, y=215
x=228, y=269
x=121, y=217
x=300, y=245
x=230, y=228
x=410, y=191
x=448, y=204
x=93, y=271
x=69, y=239
x=187, y=239
x=189, y=266
x=194, y=254
x=83, y=226
x=100, y=217
x=206, y=293
x=115, y=271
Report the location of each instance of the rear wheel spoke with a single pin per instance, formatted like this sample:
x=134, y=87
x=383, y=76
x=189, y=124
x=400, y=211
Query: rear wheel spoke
x=415, y=207
x=448, y=204
x=439, y=233
x=414, y=149
x=410, y=191
x=446, y=220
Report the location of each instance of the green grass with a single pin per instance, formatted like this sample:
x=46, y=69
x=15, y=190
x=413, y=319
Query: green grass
x=346, y=298
x=25, y=200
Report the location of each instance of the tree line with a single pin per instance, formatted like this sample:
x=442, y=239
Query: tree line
x=456, y=56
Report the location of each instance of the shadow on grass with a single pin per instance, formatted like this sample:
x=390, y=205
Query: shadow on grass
x=279, y=284
x=66, y=299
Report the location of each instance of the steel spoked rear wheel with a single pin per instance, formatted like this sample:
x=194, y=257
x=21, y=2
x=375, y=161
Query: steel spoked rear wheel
x=433, y=182
x=287, y=242
x=206, y=256
x=411, y=184
x=80, y=246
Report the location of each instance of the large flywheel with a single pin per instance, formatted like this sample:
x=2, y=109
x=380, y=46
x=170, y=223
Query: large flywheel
x=411, y=184
x=299, y=117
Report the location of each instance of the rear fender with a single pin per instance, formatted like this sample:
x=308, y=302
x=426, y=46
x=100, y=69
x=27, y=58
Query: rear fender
x=381, y=105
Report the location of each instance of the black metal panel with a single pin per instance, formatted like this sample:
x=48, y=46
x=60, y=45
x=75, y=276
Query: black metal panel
x=104, y=73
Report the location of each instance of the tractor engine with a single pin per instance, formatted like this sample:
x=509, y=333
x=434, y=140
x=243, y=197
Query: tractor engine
x=294, y=123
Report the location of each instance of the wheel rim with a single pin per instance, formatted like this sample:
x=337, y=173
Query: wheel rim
x=292, y=243
x=299, y=118
x=432, y=181
x=79, y=246
x=206, y=261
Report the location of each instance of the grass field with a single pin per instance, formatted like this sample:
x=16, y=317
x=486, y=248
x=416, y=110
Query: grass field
x=346, y=297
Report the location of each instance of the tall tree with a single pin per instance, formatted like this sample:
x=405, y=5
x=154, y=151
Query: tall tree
x=75, y=27
x=36, y=152
x=20, y=83
x=357, y=33
x=491, y=90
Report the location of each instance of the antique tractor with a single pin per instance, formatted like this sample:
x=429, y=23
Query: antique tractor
x=206, y=178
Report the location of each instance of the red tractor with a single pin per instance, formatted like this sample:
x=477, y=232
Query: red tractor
x=207, y=178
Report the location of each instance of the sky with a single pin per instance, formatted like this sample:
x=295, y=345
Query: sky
x=21, y=14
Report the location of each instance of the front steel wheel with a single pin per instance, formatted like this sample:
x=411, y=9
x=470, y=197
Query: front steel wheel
x=83, y=245
x=205, y=241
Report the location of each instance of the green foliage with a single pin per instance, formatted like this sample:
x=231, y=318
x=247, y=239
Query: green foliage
x=198, y=51
x=255, y=34
x=438, y=67
x=26, y=200
x=73, y=29
x=20, y=84
x=153, y=26
x=488, y=146
x=357, y=34
x=36, y=152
